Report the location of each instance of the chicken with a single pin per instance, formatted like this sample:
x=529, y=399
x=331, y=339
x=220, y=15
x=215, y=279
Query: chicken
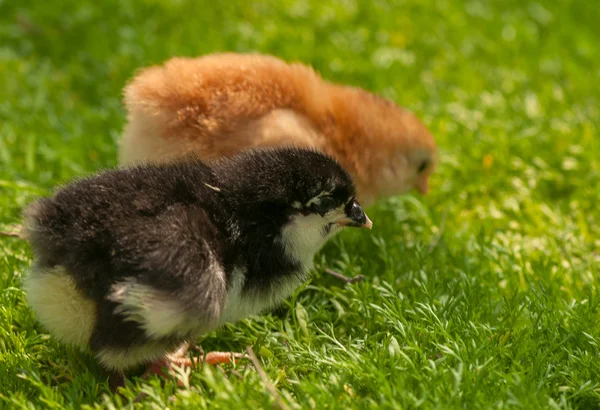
x=219, y=104
x=135, y=263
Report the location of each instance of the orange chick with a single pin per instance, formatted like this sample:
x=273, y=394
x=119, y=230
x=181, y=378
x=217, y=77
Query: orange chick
x=219, y=104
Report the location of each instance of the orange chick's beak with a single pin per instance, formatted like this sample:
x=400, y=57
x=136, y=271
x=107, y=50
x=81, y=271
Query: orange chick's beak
x=355, y=217
x=422, y=185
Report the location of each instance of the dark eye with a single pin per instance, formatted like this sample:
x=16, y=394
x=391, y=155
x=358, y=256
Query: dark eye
x=324, y=205
x=423, y=166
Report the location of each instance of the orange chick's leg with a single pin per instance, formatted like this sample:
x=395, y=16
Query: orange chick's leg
x=180, y=358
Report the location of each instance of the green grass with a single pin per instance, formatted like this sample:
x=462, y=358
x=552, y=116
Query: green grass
x=501, y=312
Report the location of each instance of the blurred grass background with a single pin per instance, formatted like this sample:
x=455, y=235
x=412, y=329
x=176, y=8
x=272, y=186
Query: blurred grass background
x=501, y=312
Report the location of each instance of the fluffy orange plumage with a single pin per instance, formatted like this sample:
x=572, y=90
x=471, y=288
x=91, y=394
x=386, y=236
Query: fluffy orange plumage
x=219, y=104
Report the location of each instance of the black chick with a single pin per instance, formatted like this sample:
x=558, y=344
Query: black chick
x=134, y=263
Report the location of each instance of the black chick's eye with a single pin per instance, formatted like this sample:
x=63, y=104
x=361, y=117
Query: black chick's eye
x=423, y=166
x=324, y=205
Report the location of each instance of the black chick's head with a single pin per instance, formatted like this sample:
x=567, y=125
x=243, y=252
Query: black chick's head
x=302, y=194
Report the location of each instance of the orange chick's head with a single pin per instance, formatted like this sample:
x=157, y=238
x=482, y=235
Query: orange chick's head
x=387, y=148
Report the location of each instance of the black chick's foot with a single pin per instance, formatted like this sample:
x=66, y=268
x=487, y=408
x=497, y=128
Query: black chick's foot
x=337, y=275
x=163, y=366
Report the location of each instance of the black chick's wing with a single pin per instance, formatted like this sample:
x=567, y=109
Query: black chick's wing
x=168, y=278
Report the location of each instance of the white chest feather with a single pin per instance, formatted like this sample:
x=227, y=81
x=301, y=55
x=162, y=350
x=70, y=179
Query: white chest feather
x=304, y=236
x=240, y=305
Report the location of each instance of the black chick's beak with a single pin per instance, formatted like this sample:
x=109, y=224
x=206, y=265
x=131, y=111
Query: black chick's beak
x=355, y=216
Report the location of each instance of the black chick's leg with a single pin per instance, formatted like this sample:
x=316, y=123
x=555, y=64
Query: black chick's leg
x=180, y=358
x=116, y=379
